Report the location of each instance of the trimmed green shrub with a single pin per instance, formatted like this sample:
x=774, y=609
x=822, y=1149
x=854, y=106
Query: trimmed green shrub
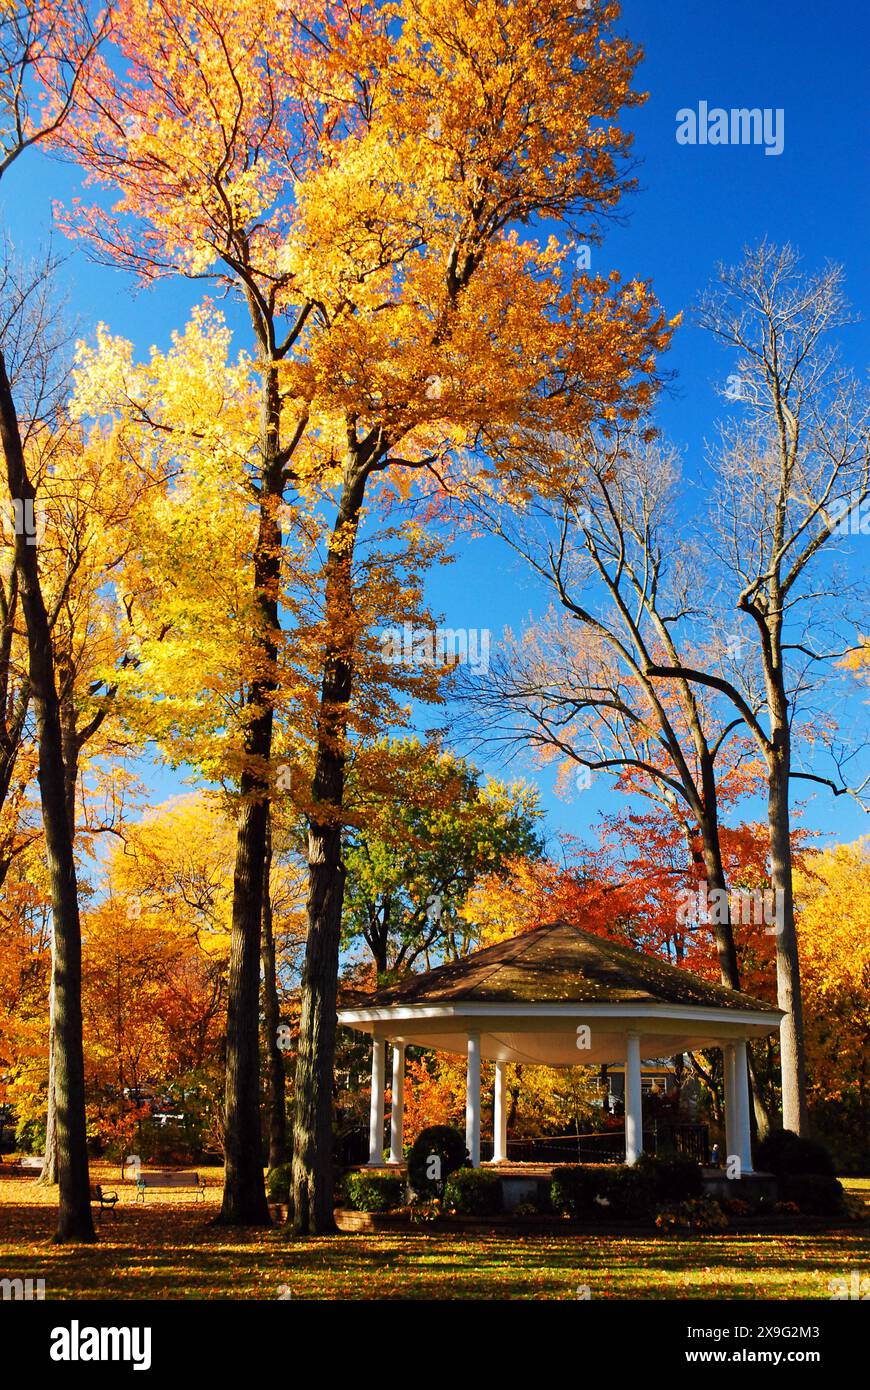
x=473, y=1192
x=631, y=1192
x=444, y=1144
x=280, y=1182
x=816, y=1194
x=784, y=1152
x=374, y=1191
x=574, y=1187
x=585, y=1190
x=674, y=1179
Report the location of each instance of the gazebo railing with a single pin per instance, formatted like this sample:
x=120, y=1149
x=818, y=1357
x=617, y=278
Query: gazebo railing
x=605, y=1146
x=608, y=1146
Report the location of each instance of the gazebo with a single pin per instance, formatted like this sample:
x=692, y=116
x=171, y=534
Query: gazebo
x=558, y=997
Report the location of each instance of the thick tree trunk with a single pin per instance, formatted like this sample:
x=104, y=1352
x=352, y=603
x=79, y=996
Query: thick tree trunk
x=313, y=1126
x=70, y=748
x=723, y=931
x=244, y=1198
x=74, y=1214
x=272, y=1016
x=788, y=985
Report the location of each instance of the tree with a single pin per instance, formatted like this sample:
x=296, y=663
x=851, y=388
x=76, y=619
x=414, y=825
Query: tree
x=32, y=376
x=359, y=179
x=832, y=897
x=598, y=532
x=423, y=841
x=45, y=51
x=794, y=463
x=45, y=48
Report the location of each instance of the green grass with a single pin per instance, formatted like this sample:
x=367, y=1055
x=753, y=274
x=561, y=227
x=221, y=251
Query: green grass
x=168, y=1249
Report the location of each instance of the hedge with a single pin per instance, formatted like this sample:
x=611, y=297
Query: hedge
x=473, y=1192
x=374, y=1191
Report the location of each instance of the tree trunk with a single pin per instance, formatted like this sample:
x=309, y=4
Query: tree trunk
x=788, y=985
x=48, y=1172
x=272, y=1016
x=761, y=1110
x=70, y=748
x=244, y=1199
x=74, y=1212
x=312, y=1129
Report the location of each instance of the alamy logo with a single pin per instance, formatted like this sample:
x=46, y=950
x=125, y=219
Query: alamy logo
x=443, y=646
x=850, y=516
x=742, y=125
x=28, y=519
x=75, y=1343
x=756, y=907
x=22, y=1290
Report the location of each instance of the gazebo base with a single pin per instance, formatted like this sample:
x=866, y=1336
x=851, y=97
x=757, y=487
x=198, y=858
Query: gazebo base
x=527, y=1182
x=750, y=1187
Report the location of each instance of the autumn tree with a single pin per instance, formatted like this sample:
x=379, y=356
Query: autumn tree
x=45, y=52
x=358, y=177
x=45, y=48
x=831, y=898
x=29, y=370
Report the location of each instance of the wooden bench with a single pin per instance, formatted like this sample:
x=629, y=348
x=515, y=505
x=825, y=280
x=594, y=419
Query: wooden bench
x=107, y=1200
x=169, y=1179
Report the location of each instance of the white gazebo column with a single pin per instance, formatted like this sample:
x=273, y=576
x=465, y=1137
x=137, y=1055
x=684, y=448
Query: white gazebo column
x=376, y=1113
x=499, y=1116
x=633, y=1103
x=397, y=1112
x=743, y=1134
x=472, y=1100
x=728, y=1067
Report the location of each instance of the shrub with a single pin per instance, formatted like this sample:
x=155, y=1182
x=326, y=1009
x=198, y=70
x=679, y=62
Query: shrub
x=280, y=1183
x=817, y=1194
x=632, y=1192
x=374, y=1191
x=441, y=1142
x=574, y=1187
x=697, y=1216
x=736, y=1206
x=673, y=1179
x=473, y=1192
x=424, y=1213
x=783, y=1152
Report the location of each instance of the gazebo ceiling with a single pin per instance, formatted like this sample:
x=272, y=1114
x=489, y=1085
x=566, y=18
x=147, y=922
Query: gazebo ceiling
x=527, y=998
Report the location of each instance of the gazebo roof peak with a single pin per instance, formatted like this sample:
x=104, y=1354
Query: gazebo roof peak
x=560, y=963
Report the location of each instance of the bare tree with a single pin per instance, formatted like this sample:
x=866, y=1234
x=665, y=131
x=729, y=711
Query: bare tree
x=790, y=472
x=604, y=544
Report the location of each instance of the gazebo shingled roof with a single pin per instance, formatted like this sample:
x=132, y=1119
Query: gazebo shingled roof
x=560, y=963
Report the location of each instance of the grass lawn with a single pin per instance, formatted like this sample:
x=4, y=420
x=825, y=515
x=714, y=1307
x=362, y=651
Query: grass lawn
x=168, y=1249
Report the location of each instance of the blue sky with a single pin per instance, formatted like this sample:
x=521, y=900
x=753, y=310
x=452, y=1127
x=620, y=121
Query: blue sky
x=697, y=205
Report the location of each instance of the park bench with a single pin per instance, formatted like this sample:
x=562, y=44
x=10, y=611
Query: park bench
x=25, y=1167
x=169, y=1179
x=107, y=1200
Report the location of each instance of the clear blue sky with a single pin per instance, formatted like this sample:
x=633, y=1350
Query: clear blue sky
x=696, y=206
